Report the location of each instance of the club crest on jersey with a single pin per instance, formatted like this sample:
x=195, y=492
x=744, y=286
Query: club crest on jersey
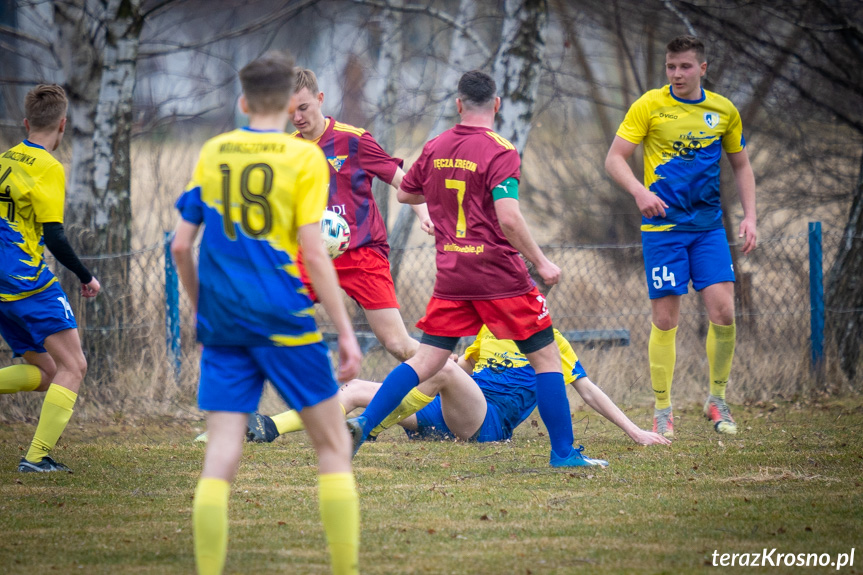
x=711, y=119
x=337, y=161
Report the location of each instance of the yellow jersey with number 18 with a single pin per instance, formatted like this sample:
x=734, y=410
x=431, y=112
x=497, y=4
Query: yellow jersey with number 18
x=252, y=191
x=32, y=193
x=683, y=142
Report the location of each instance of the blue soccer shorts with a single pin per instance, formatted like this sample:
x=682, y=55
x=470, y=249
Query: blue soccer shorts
x=26, y=323
x=232, y=378
x=673, y=259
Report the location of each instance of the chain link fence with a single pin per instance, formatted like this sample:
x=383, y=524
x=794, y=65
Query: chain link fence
x=141, y=362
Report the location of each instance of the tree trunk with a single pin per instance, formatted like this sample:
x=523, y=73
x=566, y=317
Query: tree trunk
x=517, y=67
x=844, y=295
x=99, y=49
x=389, y=64
x=459, y=55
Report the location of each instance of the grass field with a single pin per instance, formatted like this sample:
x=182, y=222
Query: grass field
x=791, y=481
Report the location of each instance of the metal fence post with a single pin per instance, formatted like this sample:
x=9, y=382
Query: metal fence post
x=816, y=297
x=172, y=309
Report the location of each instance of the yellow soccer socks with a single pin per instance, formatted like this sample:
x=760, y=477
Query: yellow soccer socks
x=720, y=353
x=15, y=378
x=210, y=524
x=289, y=421
x=56, y=412
x=662, y=352
x=340, y=514
x=412, y=402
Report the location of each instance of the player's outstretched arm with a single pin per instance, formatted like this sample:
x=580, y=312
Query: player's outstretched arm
x=320, y=269
x=745, y=179
x=517, y=233
x=181, y=250
x=596, y=398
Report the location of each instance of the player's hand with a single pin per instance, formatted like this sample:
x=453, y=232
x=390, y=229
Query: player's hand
x=642, y=437
x=350, y=357
x=747, y=231
x=427, y=226
x=549, y=272
x=650, y=205
x=90, y=289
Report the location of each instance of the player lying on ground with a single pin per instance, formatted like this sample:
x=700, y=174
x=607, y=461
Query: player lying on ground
x=485, y=400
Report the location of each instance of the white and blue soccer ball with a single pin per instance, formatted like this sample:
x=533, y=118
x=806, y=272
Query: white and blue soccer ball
x=336, y=233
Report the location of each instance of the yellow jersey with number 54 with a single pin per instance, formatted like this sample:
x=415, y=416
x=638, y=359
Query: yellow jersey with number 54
x=683, y=143
x=252, y=191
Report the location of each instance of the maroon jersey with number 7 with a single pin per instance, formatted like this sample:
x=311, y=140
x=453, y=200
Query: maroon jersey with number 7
x=456, y=173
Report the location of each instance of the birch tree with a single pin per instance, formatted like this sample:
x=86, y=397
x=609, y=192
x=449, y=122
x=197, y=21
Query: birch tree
x=517, y=67
x=465, y=50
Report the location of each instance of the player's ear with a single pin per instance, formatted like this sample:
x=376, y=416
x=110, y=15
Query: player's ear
x=243, y=104
x=496, y=104
x=703, y=67
x=27, y=125
x=458, y=105
x=320, y=98
x=62, y=127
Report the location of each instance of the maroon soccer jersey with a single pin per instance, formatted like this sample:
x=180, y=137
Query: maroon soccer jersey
x=355, y=158
x=456, y=173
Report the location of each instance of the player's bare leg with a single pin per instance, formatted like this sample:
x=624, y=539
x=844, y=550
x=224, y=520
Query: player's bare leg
x=64, y=347
x=462, y=402
x=70, y=367
x=389, y=328
x=227, y=430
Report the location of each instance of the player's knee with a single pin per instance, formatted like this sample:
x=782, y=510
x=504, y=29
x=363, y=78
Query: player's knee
x=723, y=314
x=402, y=348
x=77, y=367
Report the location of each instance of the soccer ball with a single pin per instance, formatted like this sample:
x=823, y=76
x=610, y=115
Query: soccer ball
x=336, y=233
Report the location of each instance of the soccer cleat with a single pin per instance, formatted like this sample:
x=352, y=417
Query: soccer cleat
x=663, y=422
x=261, y=429
x=355, y=427
x=716, y=410
x=575, y=459
x=45, y=466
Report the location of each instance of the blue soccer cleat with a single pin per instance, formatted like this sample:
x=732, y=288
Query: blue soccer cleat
x=575, y=459
x=358, y=435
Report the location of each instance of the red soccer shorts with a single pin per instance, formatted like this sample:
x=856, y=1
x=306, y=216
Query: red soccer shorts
x=365, y=276
x=515, y=318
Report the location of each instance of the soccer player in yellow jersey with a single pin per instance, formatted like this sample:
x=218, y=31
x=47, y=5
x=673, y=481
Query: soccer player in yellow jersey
x=684, y=129
x=259, y=195
x=36, y=319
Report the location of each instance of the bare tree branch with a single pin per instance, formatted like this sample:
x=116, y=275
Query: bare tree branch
x=260, y=23
x=434, y=13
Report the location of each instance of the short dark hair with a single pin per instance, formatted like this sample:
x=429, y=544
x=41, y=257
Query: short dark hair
x=44, y=106
x=476, y=89
x=268, y=81
x=684, y=44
